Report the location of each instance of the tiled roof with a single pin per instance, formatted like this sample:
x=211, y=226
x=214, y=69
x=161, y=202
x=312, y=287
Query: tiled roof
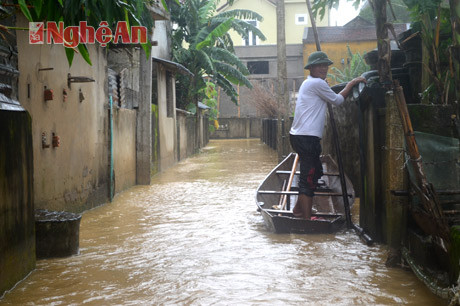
x=340, y=34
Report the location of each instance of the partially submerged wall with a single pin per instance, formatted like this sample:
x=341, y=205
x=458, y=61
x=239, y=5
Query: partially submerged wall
x=238, y=128
x=17, y=234
x=124, y=148
x=74, y=175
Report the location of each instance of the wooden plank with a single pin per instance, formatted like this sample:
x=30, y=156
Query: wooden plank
x=276, y=211
x=291, y=178
x=325, y=194
x=287, y=172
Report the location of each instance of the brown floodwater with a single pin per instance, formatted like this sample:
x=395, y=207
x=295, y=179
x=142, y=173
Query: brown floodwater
x=194, y=237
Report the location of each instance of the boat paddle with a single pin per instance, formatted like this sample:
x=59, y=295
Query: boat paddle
x=291, y=179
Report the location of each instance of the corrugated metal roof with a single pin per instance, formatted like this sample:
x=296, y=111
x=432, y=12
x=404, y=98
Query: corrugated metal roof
x=172, y=65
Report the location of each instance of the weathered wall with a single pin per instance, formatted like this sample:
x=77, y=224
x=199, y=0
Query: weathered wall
x=346, y=118
x=238, y=128
x=183, y=137
x=191, y=135
x=166, y=125
x=124, y=148
x=338, y=50
x=17, y=226
x=374, y=211
x=186, y=123
x=394, y=177
x=167, y=136
x=73, y=176
x=295, y=73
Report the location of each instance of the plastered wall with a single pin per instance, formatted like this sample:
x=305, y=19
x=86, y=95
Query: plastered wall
x=73, y=176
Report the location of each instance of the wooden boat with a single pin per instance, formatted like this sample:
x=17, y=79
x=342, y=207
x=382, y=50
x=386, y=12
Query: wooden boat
x=328, y=214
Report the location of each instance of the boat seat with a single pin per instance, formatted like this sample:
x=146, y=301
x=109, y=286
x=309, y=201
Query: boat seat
x=317, y=193
x=287, y=172
x=320, y=188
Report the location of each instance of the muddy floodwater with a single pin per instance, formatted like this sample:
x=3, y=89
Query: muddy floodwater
x=194, y=237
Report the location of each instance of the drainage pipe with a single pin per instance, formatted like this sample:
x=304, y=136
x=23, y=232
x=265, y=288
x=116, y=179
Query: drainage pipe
x=111, y=147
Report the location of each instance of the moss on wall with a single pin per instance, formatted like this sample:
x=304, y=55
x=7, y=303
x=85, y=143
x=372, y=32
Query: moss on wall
x=154, y=165
x=455, y=253
x=433, y=119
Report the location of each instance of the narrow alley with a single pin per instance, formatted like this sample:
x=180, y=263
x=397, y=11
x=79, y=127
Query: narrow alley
x=194, y=237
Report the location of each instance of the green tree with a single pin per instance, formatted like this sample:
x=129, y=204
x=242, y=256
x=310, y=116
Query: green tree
x=201, y=42
x=397, y=11
x=355, y=68
x=71, y=12
x=431, y=18
x=434, y=20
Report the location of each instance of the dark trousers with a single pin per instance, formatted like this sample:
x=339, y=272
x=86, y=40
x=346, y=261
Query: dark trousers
x=309, y=150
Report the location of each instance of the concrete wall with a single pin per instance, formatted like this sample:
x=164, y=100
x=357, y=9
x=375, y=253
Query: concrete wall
x=167, y=134
x=124, y=148
x=166, y=125
x=161, y=35
x=238, y=128
x=182, y=134
x=267, y=10
x=337, y=51
x=73, y=176
x=191, y=135
x=186, y=123
x=295, y=74
x=346, y=119
x=17, y=223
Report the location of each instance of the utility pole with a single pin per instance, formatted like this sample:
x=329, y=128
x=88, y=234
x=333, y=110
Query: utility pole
x=282, y=94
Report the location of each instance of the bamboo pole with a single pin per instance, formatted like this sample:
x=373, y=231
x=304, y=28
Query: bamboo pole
x=424, y=189
x=334, y=131
x=346, y=204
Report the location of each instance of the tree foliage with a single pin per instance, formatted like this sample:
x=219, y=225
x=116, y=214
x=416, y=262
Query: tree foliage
x=319, y=6
x=202, y=43
x=396, y=7
x=433, y=20
x=71, y=12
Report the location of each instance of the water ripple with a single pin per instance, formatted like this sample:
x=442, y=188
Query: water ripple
x=194, y=237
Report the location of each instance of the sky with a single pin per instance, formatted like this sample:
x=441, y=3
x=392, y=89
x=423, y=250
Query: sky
x=345, y=13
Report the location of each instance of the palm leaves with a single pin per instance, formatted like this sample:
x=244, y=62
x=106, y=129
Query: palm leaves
x=209, y=46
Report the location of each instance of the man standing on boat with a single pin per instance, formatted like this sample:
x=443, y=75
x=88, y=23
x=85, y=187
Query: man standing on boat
x=308, y=125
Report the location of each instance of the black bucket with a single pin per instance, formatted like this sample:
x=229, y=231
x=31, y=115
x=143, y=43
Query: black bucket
x=57, y=233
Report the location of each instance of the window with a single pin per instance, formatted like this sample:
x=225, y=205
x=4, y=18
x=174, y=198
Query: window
x=301, y=19
x=251, y=40
x=259, y=67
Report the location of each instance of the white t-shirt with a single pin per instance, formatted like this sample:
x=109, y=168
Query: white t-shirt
x=310, y=110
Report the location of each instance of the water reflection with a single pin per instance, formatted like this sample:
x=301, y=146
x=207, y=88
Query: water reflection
x=194, y=237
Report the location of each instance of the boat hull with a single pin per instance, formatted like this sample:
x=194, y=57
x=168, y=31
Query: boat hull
x=283, y=223
x=328, y=210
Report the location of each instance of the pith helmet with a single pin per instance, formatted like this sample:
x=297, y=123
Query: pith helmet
x=318, y=57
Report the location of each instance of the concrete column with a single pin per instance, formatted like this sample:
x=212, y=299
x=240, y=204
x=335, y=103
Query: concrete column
x=394, y=175
x=144, y=125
